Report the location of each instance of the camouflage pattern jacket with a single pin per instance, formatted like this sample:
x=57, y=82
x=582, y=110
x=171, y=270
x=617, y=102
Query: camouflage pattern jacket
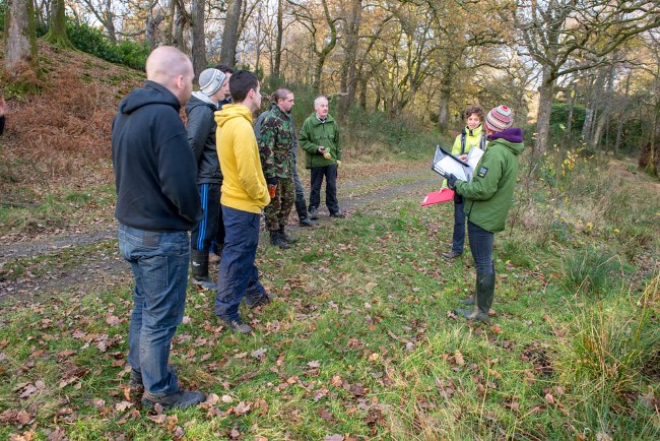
x=276, y=141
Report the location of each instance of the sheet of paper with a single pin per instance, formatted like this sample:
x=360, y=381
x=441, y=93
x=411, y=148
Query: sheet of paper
x=474, y=156
x=449, y=166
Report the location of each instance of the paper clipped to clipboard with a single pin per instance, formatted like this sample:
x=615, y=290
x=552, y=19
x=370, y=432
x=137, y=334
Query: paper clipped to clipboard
x=445, y=164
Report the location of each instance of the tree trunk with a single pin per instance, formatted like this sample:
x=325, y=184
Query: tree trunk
x=230, y=34
x=569, y=118
x=445, y=96
x=624, y=106
x=21, y=37
x=605, y=114
x=278, y=40
x=57, y=26
x=109, y=22
x=348, y=71
x=546, y=95
x=198, y=37
x=152, y=27
x=179, y=25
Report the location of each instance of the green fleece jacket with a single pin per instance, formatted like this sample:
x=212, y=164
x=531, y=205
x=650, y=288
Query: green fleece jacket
x=489, y=195
x=315, y=133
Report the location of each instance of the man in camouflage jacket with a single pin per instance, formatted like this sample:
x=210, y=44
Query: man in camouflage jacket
x=276, y=142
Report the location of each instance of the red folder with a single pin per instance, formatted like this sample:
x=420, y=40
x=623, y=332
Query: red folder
x=444, y=195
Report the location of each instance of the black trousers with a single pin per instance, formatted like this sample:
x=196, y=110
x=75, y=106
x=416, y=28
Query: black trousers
x=205, y=233
x=330, y=174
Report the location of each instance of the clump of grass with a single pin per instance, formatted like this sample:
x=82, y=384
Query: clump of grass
x=590, y=271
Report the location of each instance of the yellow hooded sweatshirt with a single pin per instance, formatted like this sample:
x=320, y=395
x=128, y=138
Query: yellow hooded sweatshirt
x=243, y=186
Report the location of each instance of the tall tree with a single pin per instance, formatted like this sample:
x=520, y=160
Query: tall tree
x=349, y=65
x=230, y=34
x=21, y=37
x=57, y=25
x=198, y=36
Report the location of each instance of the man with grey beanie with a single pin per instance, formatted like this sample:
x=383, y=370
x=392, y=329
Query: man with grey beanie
x=201, y=136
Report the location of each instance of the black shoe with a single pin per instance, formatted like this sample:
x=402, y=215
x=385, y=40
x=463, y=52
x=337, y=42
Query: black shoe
x=286, y=238
x=451, y=255
x=237, y=325
x=338, y=215
x=313, y=213
x=305, y=222
x=265, y=299
x=178, y=400
x=277, y=240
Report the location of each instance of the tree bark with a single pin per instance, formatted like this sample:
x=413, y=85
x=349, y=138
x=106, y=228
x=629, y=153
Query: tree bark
x=57, y=26
x=605, y=114
x=230, y=34
x=624, y=106
x=569, y=118
x=445, y=96
x=21, y=37
x=198, y=37
x=546, y=95
x=152, y=27
x=348, y=72
x=278, y=40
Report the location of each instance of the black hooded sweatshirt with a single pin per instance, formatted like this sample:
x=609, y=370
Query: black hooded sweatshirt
x=155, y=170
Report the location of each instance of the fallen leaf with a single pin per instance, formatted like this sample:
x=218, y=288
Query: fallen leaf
x=497, y=329
x=314, y=364
x=242, y=408
x=23, y=417
x=334, y=437
x=459, y=358
x=227, y=399
x=122, y=406
x=112, y=320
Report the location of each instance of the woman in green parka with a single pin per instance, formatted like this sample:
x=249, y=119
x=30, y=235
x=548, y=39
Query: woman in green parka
x=488, y=198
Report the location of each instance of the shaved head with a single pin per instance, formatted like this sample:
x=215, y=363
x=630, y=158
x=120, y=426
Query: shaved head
x=173, y=69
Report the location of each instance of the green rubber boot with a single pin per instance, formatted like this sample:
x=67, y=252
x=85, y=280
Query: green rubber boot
x=484, y=299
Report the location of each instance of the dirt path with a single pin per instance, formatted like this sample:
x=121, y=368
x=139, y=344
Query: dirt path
x=58, y=264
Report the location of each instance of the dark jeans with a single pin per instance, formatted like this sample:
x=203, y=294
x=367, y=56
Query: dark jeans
x=459, y=228
x=238, y=276
x=205, y=232
x=330, y=173
x=481, y=245
x=159, y=261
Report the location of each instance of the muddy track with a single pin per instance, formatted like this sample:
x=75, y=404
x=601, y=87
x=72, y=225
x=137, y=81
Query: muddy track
x=92, y=258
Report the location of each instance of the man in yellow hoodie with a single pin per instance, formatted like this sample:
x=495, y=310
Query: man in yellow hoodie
x=244, y=195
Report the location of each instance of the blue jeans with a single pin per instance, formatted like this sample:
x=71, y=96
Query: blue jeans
x=481, y=245
x=159, y=261
x=330, y=173
x=458, y=238
x=238, y=276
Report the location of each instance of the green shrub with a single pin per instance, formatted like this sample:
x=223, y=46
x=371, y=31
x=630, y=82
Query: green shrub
x=590, y=271
x=92, y=41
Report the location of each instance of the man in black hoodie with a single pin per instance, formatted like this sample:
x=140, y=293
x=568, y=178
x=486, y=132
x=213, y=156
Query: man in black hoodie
x=157, y=205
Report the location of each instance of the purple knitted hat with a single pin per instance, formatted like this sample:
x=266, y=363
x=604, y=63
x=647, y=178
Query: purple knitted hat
x=499, y=118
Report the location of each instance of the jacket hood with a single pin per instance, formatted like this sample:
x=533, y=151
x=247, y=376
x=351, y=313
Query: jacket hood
x=232, y=111
x=151, y=93
x=512, y=138
x=316, y=121
x=204, y=98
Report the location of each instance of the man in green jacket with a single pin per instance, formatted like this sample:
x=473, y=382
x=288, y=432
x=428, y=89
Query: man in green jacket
x=489, y=195
x=319, y=138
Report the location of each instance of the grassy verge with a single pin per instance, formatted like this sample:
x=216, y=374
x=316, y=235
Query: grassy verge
x=361, y=342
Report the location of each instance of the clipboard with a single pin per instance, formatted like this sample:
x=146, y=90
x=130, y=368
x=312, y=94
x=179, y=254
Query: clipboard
x=445, y=164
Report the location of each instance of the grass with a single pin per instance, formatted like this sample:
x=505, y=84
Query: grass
x=361, y=342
